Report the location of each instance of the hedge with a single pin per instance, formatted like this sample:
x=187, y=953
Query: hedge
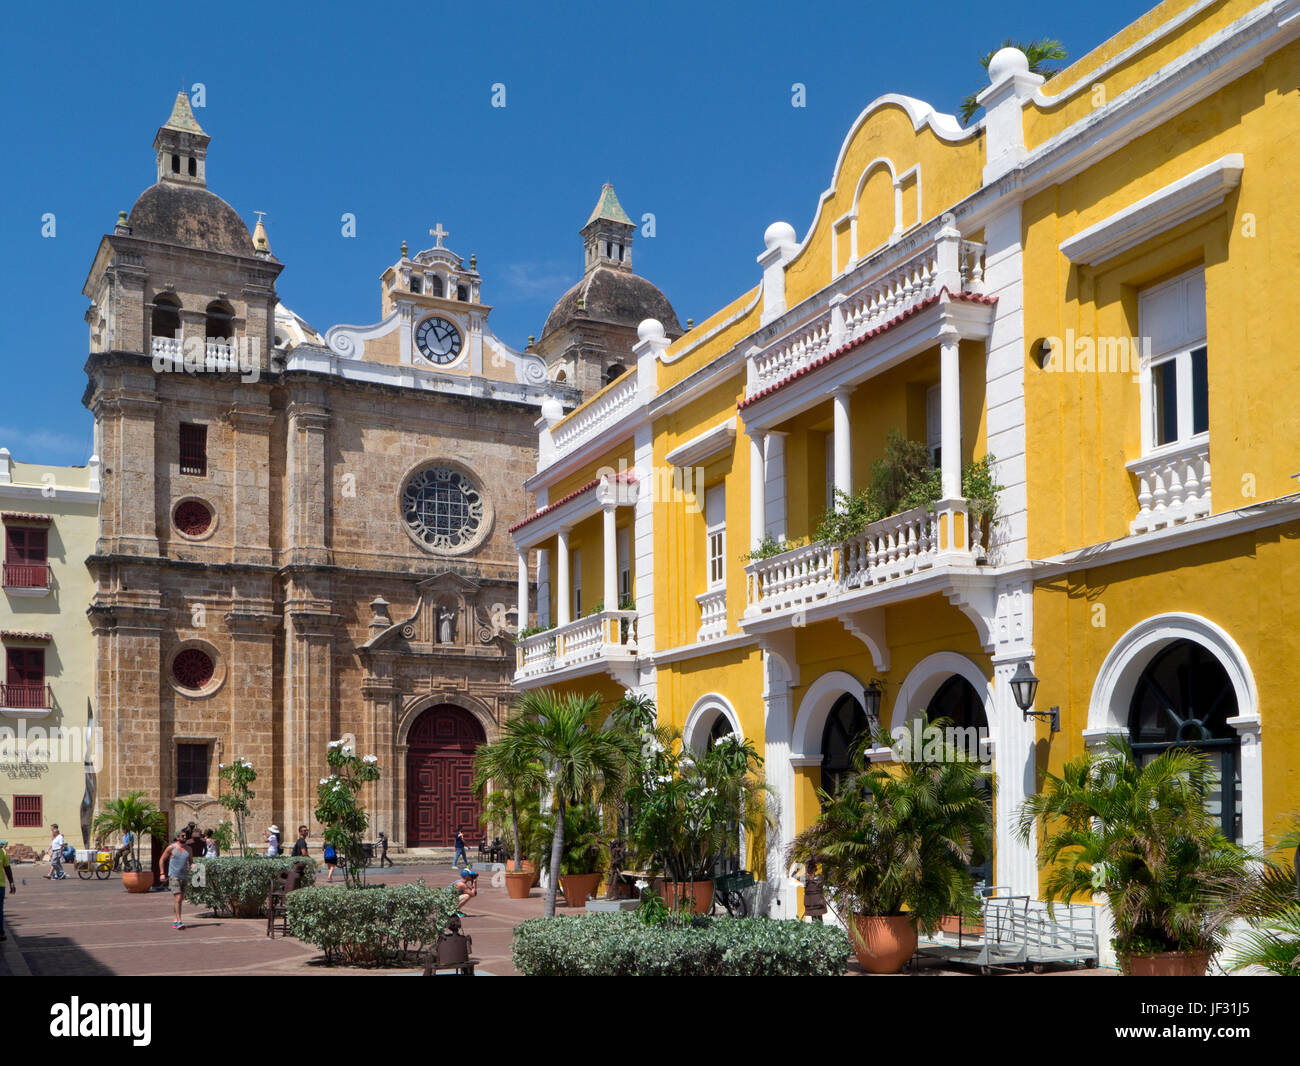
x=238, y=886
x=371, y=926
x=621, y=945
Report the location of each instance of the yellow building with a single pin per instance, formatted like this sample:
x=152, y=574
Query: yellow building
x=50, y=520
x=1091, y=286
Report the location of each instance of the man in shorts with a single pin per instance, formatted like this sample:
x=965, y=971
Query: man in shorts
x=175, y=865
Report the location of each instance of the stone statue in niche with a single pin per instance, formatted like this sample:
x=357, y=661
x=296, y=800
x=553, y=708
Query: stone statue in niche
x=446, y=625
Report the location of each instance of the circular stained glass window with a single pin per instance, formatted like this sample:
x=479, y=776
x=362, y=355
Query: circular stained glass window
x=192, y=518
x=193, y=669
x=442, y=508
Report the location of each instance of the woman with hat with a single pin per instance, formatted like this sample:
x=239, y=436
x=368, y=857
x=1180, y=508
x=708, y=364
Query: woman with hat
x=273, y=841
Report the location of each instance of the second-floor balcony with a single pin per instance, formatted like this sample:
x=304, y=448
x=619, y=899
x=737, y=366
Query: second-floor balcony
x=210, y=354
x=884, y=555
x=1173, y=484
x=27, y=579
x=25, y=696
x=606, y=637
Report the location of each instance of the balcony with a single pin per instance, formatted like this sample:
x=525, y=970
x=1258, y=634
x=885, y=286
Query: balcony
x=1173, y=485
x=588, y=421
x=166, y=347
x=27, y=579
x=713, y=615
x=602, y=641
x=888, y=291
x=220, y=354
x=884, y=555
x=25, y=697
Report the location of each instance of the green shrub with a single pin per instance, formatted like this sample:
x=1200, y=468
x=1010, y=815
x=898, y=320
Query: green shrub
x=235, y=886
x=371, y=926
x=619, y=945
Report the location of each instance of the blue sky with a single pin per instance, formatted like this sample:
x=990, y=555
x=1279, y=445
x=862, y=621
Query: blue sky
x=385, y=111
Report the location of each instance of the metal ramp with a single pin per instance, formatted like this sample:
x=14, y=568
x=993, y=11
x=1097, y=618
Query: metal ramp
x=1019, y=931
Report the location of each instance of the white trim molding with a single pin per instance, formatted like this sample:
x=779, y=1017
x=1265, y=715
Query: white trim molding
x=1165, y=208
x=1117, y=679
x=707, y=444
x=700, y=719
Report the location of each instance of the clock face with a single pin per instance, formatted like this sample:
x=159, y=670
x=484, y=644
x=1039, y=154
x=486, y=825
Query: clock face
x=438, y=340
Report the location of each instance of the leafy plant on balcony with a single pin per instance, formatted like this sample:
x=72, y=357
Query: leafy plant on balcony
x=770, y=546
x=530, y=631
x=1039, y=53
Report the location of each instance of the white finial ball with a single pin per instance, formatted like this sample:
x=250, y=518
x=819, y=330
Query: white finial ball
x=777, y=234
x=552, y=409
x=650, y=329
x=1005, y=62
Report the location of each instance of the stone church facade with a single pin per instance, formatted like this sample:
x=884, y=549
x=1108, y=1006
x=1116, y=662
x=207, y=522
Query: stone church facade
x=302, y=537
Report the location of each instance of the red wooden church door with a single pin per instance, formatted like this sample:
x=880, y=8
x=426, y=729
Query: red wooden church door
x=440, y=795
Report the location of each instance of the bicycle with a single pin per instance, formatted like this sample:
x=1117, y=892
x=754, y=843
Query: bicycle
x=729, y=891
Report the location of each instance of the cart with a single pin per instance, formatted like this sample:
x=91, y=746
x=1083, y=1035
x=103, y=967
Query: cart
x=729, y=890
x=90, y=863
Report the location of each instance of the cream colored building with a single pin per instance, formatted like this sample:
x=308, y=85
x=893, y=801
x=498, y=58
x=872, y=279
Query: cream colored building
x=50, y=521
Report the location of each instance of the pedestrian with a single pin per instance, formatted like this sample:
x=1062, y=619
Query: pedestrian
x=467, y=886
x=175, y=865
x=300, y=845
x=8, y=876
x=331, y=859
x=383, y=850
x=210, y=849
x=273, y=841
x=462, y=856
x=57, y=844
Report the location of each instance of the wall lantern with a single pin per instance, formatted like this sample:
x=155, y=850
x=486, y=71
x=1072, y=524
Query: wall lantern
x=1024, y=685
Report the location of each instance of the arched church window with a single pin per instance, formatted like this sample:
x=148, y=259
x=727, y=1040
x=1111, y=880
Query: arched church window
x=176, y=164
x=219, y=324
x=462, y=293
x=845, y=726
x=417, y=286
x=1184, y=699
x=194, y=166
x=166, y=318
x=614, y=372
x=438, y=289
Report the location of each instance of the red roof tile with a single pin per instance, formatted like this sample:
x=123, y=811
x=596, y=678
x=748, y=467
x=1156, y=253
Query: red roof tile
x=628, y=476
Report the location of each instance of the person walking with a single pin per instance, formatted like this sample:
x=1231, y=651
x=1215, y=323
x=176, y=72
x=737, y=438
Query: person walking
x=300, y=845
x=462, y=856
x=57, y=844
x=8, y=876
x=210, y=849
x=383, y=851
x=330, y=857
x=273, y=841
x=175, y=865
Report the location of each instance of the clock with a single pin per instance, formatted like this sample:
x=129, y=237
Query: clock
x=438, y=340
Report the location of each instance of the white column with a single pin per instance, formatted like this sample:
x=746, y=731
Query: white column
x=523, y=589
x=544, y=587
x=843, y=446
x=563, y=592
x=757, y=491
x=950, y=415
x=611, y=558
x=781, y=898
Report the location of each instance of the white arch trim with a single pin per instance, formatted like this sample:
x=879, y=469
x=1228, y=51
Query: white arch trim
x=925, y=679
x=1117, y=679
x=815, y=707
x=695, y=733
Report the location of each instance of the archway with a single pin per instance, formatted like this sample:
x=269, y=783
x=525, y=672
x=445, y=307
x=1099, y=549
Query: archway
x=440, y=796
x=958, y=701
x=711, y=719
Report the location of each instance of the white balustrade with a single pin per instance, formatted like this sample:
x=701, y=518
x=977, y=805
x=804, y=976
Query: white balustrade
x=891, y=548
x=606, y=634
x=1173, y=486
x=791, y=579
x=793, y=352
x=601, y=412
x=713, y=615
x=168, y=347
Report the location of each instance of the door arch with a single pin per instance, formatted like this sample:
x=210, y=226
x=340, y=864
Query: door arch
x=440, y=796
x=958, y=701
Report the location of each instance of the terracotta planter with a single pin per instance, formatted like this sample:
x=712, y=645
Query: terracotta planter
x=525, y=865
x=140, y=882
x=1167, y=964
x=519, y=883
x=883, y=945
x=577, y=887
x=952, y=923
x=699, y=892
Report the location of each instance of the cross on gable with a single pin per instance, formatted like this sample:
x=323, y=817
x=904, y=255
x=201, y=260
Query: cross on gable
x=437, y=233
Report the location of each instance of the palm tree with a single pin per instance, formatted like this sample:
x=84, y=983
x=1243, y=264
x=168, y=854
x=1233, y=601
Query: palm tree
x=507, y=763
x=132, y=814
x=1141, y=836
x=582, y=762
x=1269, y=897
x=1039, y=53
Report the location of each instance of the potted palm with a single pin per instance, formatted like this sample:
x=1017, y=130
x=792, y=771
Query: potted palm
x=583, y=763
x=689, y=810
x=585, y=858
x=506, y=764
x=895, y=846
x=134, y=814
x=1141, y=837
x=1269, y=898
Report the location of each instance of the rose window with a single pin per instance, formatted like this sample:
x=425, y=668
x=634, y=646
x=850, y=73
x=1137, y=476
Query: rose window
x=192, y=518
x=442, y=508
x=192, y=668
